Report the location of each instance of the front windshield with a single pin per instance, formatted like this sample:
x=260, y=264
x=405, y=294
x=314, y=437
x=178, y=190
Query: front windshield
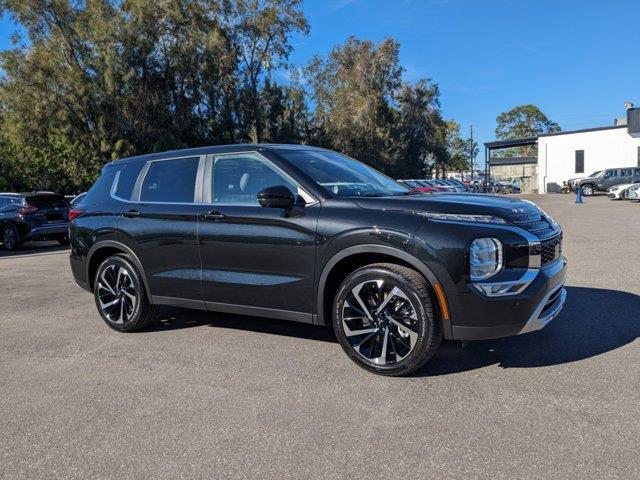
x=595, y=174
x=343, y=176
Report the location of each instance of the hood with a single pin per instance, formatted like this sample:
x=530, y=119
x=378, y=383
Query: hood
x=519, y=212
x=470, y=203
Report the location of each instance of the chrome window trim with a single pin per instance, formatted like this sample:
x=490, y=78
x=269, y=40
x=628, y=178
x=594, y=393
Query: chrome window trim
x=207, y=190
x=137, y=188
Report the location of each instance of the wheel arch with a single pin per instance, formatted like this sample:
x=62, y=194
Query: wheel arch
x=360, y=255
x=106, y=248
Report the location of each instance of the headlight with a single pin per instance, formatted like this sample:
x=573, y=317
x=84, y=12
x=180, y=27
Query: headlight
x=459, y=217
x=485, y=258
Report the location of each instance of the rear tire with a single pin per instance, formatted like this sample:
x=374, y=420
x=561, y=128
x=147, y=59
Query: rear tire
x=11, y=238
x=384, y=320
x=120, y=295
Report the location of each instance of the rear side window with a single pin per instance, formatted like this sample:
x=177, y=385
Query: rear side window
x=127, y=180
x=170, y=181
x=625, y=172
x=101, y=189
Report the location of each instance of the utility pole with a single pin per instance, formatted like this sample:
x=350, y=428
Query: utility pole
x=471, y=153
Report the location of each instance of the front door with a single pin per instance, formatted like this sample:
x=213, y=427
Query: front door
x=255, y=260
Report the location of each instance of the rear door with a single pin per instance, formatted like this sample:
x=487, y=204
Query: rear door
x=160, y=224
x=626, y=176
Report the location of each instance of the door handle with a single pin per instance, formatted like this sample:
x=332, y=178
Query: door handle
x=131, y=214
x=213, y=216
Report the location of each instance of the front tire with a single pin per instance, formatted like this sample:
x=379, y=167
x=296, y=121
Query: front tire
x=384, y=320
x=120, y=295
x=587, y=190
x=11, y=239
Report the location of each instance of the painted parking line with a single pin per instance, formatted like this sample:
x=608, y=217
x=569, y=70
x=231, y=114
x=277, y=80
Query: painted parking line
x=5, y=255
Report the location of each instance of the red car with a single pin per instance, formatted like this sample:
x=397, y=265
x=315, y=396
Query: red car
x=417, y=186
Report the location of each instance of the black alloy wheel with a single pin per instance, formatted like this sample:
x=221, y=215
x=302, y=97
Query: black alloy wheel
x=384, y=321
x=120, y=296
x=11, y=239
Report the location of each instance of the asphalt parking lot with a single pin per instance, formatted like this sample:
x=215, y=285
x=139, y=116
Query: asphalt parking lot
x=218, y=396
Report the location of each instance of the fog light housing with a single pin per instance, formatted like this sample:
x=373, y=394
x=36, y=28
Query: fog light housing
x=485, y=258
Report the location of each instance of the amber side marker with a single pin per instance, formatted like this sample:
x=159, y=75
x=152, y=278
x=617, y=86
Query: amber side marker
x=444, y=308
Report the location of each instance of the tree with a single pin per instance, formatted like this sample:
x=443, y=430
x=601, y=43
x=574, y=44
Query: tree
x=261, y=31
x=524, y=121
x=364, y=108
x=421, y=131
x=120, y=78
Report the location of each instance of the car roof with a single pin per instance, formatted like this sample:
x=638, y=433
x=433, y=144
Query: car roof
x=236, y=147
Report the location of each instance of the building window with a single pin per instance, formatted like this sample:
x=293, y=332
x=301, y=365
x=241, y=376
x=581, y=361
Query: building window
x=579, y=161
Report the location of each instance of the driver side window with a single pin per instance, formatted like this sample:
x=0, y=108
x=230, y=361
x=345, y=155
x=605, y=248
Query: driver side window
x=237, y=179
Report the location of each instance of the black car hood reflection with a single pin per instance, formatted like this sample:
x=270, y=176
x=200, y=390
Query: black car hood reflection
x=464, y=203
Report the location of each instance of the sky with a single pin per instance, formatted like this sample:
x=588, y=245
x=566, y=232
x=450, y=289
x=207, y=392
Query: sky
x=579, y=61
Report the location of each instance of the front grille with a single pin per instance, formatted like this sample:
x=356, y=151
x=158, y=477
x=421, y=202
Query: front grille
x=534, y=222
x=551, y=250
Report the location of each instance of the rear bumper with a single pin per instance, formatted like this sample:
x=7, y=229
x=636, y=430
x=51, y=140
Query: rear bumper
x=51, y=230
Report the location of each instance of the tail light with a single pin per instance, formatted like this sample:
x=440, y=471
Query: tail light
x=74, y=213
x=27, y=210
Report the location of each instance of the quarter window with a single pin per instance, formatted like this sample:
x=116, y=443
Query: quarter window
x=237, y=179
x=127, y=180
x=579, y=161
x=170, y=181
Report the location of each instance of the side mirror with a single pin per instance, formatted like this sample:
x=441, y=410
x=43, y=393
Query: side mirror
x=278, y=196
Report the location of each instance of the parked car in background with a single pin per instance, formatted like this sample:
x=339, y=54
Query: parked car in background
x=457, y=187
x=441, y=183
x=633, y=192
x=461, y=185
x=509, y=186
x=608, y=178
x=310, y=235
x=572, y=182
x=27, y=217
x=417, y=187
x=619, y=192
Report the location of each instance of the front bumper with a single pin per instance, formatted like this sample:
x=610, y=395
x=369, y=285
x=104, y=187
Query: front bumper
x=528, y=311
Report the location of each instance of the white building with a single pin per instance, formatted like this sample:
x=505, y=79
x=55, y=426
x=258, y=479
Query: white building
x=565, y=155
x=572, y=154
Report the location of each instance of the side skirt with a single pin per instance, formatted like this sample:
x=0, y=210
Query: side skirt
x=236, y=309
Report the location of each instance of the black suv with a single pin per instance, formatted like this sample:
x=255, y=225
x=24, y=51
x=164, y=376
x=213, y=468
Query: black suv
x=307, y=234
x=604, y=180
x=26, y=217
